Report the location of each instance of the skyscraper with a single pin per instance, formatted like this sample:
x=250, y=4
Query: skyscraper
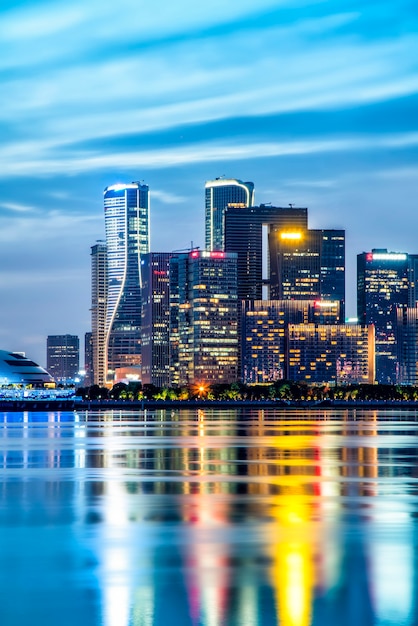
x=63, y=357
x=244, y=236
x=382, y=286
x=407, y=342
x=277, y=250
x=264, y=330
x=219, y=194
x=204, y=317
x=127, y=238
x=331, y=353
x=88, y=360
x=98, y=312
x=156, y=318
x=307, y=264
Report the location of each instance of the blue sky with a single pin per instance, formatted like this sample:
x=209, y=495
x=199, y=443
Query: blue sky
x=315, y=101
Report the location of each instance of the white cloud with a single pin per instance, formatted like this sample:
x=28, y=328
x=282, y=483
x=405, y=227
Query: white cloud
x=17, y=207
x=50, y=225
x=167, y=197
x=54, y=162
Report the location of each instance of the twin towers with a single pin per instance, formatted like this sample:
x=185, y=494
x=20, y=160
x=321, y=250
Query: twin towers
x=277, y=257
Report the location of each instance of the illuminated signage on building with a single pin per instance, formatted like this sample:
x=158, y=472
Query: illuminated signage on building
x=386, y=256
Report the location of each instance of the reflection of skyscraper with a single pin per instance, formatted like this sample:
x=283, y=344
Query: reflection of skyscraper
x=127, y=238
x=219, y=194
x=382, y=285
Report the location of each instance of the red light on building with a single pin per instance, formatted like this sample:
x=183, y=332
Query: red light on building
x=369, y=256
x=217, y=255
x=159, y=272
x=194, y=254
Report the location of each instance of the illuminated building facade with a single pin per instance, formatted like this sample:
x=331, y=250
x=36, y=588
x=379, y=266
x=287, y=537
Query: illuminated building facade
x=413, y=279
x=382, y=286
x=155, y=319
x=127, y=238
x=263, y=333
x=88, y=360
x=98, y=312
x=407, y=344
x=337, y=354
x=219, y=194
x=204, y=317
x=63, y=357
x=244, y=229
x=307, y=264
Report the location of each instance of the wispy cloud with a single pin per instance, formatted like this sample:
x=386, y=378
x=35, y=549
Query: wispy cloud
x=46, y=226
x=78, y=162
x=16, y=207
x=166, y=197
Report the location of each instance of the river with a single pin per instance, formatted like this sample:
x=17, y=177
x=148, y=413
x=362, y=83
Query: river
x=209, y=518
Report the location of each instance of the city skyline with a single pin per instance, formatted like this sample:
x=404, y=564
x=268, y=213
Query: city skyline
x=315, y=103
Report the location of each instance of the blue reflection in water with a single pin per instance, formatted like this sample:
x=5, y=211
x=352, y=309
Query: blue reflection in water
x=209, y=518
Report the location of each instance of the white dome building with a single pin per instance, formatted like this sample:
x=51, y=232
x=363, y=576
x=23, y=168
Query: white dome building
x=17, y=370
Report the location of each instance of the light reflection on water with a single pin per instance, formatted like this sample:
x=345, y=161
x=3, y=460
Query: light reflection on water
x=209, y=518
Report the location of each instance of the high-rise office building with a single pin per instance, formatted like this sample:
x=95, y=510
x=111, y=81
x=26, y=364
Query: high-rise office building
x=220, y=194
x=127, y=239
x=63, y=357
x=332, y=353
x=263, y=333
x=382, y=286
x=244, y=230
x=156, y=319
x=88, y=360
x=307, y=264
x=277, y=250
x=204, y=317
x=98, y=312
x=407, y=345
x=413, y=280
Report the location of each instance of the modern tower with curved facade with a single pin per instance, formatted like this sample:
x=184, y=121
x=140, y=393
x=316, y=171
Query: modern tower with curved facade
x=220, y=194
x=127, y=239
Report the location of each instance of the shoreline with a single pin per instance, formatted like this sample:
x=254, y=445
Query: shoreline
x=76, y=404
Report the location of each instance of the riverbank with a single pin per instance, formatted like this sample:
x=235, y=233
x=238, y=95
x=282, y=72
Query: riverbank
x=78, y=404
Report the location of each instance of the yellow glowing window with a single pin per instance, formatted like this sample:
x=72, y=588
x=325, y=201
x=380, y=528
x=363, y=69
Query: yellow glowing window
x=291, y=236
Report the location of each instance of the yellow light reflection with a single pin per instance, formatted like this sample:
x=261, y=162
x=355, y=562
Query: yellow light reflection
x=293, y=568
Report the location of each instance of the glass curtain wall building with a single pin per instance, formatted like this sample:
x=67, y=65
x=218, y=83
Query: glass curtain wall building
x=263, y=333
x=307, y=264
x=156, y=319
x=127, y=238
x=63, y=357
x=244, y=236
x=382, y=286
x=98, y=312
x=219, y=194
x=204, y=318
x=340, y=354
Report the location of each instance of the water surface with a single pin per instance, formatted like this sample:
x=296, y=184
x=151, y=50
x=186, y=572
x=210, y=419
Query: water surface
x=209, y=518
